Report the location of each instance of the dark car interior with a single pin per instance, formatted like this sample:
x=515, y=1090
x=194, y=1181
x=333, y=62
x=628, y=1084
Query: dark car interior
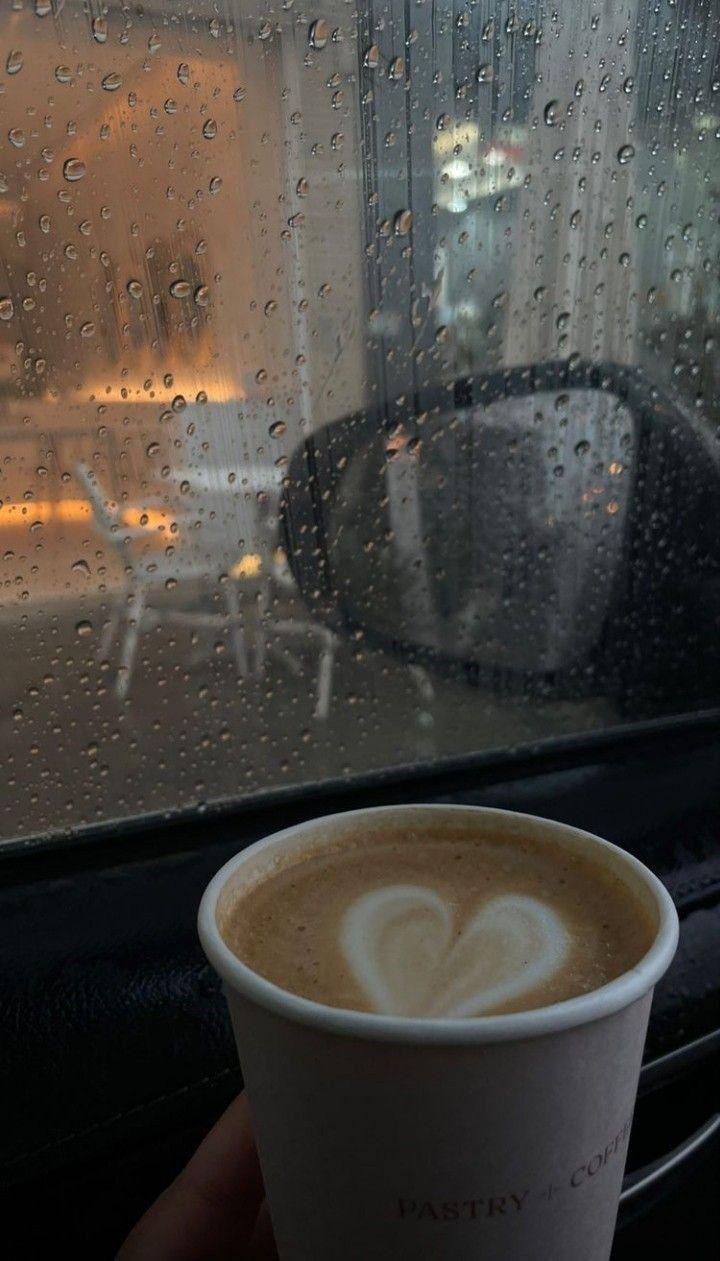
x=360, y=406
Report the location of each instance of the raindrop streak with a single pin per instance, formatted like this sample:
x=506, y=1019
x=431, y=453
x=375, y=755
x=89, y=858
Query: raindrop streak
x=14, y=61
x=318, y=34
x=626, y=153
x=7, y=310
x=112, y=82
x=99, y=30
x=73, y=169
x=180, y=289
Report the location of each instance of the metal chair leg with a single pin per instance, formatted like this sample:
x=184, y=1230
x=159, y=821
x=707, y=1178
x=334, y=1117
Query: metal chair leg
x=325, y=673
x=133, y=626
x=237, y=629
x=109, y=632
x=260, y=646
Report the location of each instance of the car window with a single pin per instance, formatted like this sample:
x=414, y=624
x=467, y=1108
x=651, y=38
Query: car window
x=358, y=389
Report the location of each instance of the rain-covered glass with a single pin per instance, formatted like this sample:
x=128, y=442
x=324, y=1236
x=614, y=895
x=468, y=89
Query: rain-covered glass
x=358, y=388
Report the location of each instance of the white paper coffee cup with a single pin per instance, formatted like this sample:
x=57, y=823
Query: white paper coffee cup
x=402, y=1139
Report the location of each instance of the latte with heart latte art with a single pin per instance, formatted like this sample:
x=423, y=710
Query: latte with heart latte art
x=431, y=922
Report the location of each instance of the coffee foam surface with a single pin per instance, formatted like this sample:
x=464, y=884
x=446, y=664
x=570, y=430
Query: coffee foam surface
x=403, y=947
x=436, y=923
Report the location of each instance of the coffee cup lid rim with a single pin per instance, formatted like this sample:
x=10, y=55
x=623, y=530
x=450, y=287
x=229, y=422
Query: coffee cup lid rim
x=515, y=1026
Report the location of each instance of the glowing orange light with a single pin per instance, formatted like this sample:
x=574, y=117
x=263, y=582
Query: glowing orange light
x=45, y=511
x=248, y=566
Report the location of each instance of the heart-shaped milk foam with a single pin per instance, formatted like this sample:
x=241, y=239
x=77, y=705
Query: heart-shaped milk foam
x=401, y=946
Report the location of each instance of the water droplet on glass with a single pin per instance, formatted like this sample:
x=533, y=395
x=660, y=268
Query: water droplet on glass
x=338, y=140
x=202, y=295
x=551, y=113
x=180, y=289
x=87, y=329
x=581, y=448
x=214, y=28
x=628, y=85
x=183, y=73
x=179, y=403
x=270, y=307
x=170, y=106
x=485, y=73
x=7, y=310
x=302, y=188
x=396, y=70
x=63, y=74
x=441, y=335
x=277, y=429
x=73, y=169
x=134, y=288
x=626, y=153
x=215, y=184
x=81, y=567
x=210, y=129
x=44, y=222
x=319, y=33
x=83, y=628
x=16, y=136
x=153, y=448
x=153, y=44
x=70, y=251
x=372, y=57
x=100, y=30
x=112, y=82
x=42, y=8
x=239, y=95
x=265, y=30
x=14, y=61
x=579, y=87
x=402, y=222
